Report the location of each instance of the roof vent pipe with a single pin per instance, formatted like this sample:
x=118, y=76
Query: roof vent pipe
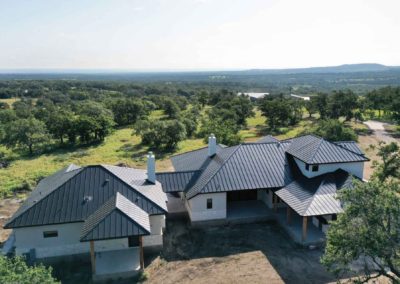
x=151, y=168
x=212, y=145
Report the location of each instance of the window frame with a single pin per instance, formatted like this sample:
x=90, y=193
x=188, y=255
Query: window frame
x=50, y=234
x=307, y=167
x=209, y=203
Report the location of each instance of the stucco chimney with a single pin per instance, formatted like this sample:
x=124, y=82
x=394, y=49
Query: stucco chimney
x=212, y=145
x=151, y=168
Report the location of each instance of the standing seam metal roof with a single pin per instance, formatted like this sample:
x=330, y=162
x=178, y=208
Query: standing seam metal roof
x=316, y=150
x=104, y=222
x=66, y=202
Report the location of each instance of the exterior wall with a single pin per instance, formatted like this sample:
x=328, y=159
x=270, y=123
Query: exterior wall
x=197, y=207
x=265, y=195
x=68, y=240
x=157, y=225
x=357, y=168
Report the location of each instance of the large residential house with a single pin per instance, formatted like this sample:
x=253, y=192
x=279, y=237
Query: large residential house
x=116, y=213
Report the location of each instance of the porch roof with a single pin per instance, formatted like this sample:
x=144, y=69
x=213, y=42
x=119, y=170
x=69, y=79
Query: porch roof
x=316, y=196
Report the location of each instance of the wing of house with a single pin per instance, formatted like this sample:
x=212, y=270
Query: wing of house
x=95, y=209
x=302, y=173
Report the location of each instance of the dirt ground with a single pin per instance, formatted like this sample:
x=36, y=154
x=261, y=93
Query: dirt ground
x=7, y=208
x=250, y=253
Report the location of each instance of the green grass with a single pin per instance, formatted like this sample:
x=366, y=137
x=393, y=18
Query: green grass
x=119, y=147
x=9, y=101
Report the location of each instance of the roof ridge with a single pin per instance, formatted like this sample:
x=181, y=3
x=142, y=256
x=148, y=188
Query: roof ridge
x=316, y=150
x=223, y=164
x=361, y=155
x=314, y=195
x=137, y=191
x=191, y=151
x=177, y=172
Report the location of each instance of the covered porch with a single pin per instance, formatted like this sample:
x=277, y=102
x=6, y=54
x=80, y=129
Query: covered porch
x=299, y=228
x=248, y=211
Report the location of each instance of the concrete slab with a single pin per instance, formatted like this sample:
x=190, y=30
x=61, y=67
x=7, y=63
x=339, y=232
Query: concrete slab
x=248, y=211
x=295, y=229
x=116, y=264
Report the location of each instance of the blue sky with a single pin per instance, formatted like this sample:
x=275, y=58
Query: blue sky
x=197, y=34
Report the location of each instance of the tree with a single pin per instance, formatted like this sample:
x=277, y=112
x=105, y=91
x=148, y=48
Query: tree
x=321, y=103
x=4, y=105
x=15, y=270
x=60, y=124
x=342, y=103
x=276, y=110
x=128, y=111
x=311, y=107
x=171, y=109
x=226, y=131
x=368, y=231
x=161, y=135
x=28, y=133
x=334, y=130
x=390, y=165
x=190, y=126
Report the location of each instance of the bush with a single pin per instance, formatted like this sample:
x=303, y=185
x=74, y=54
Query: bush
x=15, y=270
x=333, y=130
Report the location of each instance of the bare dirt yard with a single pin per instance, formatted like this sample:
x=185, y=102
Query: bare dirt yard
x=249, y=253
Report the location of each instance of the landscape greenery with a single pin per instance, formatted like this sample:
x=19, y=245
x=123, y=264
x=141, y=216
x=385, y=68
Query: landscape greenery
x=48, y=124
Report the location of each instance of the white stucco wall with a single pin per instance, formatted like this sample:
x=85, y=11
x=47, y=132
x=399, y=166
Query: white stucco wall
x=357, y=168
x=157, y=224
x=67, y=242
x=197, y=207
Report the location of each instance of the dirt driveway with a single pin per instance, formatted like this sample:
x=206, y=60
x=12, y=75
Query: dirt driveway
x=379, y=134
x=250, y=253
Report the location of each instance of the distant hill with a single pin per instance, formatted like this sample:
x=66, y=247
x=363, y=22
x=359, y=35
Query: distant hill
x=346, y=68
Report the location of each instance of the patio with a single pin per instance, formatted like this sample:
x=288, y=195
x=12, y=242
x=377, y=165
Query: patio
x=248, y=211
x=295, y=228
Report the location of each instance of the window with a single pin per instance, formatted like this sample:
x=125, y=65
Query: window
x=50, y=234
x=307, y=167
x=209, y=203
x=315, y=168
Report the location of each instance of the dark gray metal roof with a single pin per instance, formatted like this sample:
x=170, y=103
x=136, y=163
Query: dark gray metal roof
x=176, y=181
x=315, y=196
x=267, y=139
x=246, y=166
x=193, y=160
x=64, y=202
x=316, y=150
x=116, y=218
x=351, y=146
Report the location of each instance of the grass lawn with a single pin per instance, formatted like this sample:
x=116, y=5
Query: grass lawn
x=9, y=101
x=120, y=147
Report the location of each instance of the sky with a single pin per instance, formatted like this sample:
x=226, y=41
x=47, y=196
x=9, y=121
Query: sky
x=162, y=35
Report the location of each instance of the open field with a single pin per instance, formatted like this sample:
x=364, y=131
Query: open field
x=9, y=101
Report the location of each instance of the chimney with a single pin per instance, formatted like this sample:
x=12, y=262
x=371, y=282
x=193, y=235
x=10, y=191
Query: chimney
x=151, y=168
x=212, y=145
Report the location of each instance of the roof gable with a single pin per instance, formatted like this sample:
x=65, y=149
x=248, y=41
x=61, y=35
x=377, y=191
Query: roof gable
x=316, y=150
x=193, y=160
x=116, y=218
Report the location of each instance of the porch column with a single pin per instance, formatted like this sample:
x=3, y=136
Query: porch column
x=288, y=215
x=275, y=201
x=141, y=252
x=304, y=236
x=92, y=257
